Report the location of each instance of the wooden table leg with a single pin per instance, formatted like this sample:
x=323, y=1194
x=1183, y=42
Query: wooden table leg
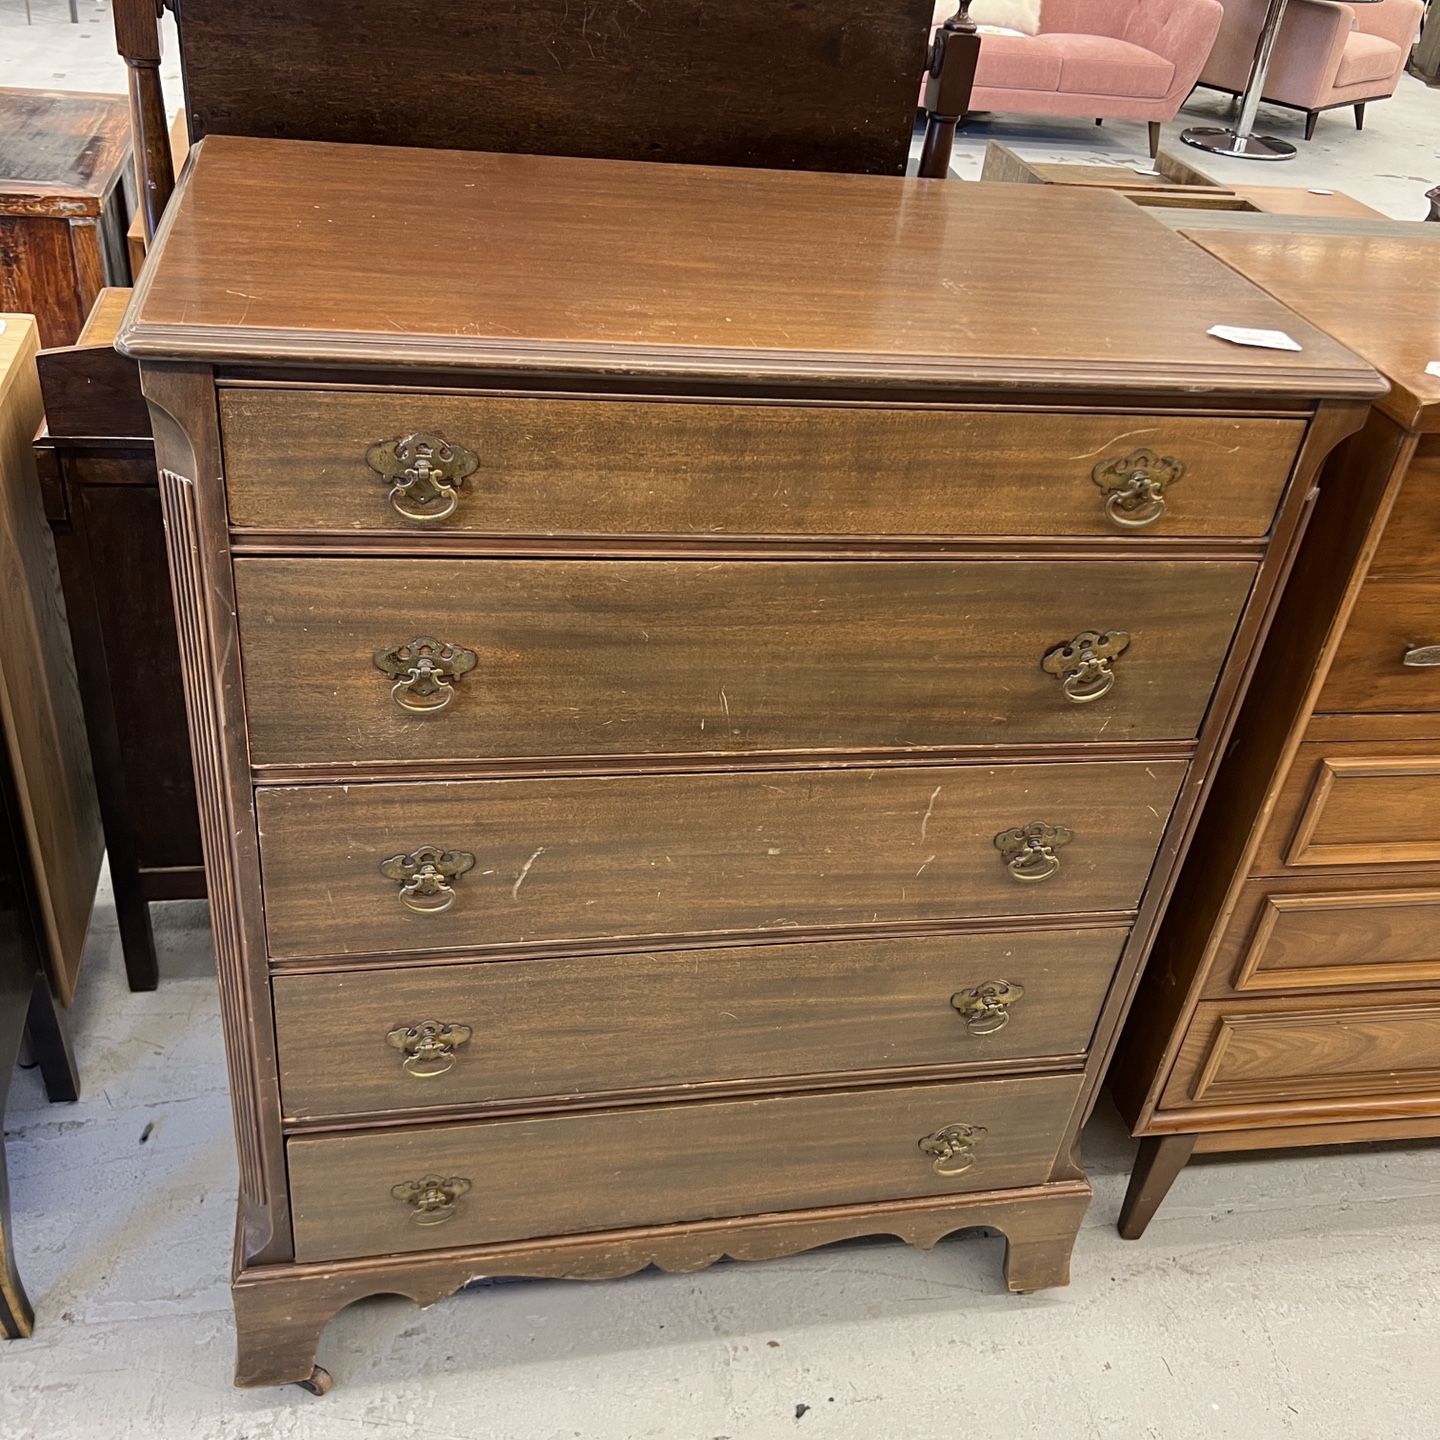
x=17, y=1318
x=50, y=1045
x=1160, y=1160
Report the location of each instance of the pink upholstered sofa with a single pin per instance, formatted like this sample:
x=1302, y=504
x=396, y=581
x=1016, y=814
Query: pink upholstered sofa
x=1107, y=59
x=1327, y=54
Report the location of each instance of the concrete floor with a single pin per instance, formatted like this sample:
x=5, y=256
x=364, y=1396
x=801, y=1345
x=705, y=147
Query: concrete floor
x=1290, y=1295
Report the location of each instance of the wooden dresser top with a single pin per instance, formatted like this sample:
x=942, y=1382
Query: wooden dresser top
x=1379, y=293
x=343, y=254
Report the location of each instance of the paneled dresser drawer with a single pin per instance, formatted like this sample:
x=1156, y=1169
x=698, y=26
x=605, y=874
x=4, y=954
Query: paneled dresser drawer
x=537, y=861
x=326, y=460
x=1293, y=1049
x=361, y=1041
x=611, y=1169
x=695, y=723
x=586, y=657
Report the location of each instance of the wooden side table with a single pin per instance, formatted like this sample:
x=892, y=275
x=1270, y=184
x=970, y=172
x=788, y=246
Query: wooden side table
x=66, y=192
x=50, y=840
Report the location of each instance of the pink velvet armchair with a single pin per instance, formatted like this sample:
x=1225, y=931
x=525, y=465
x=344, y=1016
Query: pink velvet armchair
x=1109, y=59
x=1327, y=55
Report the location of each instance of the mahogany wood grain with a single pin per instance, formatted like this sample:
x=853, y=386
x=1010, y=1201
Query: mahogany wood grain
x=579, y=265
x=740, y=82
x=589, y=657
x=1377, y=293
x=281, y=1310
x=622, y=467
x=585, y=858
x=557, y=1028
x=1288, y=1047
x=41, y=721
x=1307, y=933
x=675, y=1163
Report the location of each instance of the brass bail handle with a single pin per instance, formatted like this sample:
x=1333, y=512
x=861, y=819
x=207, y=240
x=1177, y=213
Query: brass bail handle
x=1084, y=665
x=426, y=670
x=1422, y=657
x=432, y=1198
x=1134, y=487
x=429, y=1047
x=424, y=877
x=952, y=1150
x=425, y=472
x=986, y=1007
x=1029, y=850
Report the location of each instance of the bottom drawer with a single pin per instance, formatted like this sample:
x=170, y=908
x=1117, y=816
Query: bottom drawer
x=1298, y=1048
x=363, y=1194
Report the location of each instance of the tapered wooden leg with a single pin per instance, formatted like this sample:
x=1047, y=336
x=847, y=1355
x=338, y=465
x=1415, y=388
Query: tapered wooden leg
x=1360, y=116
x=1311, y=117
x=17, y=1318
x=50, y=1045
x=1154, y=139
x=1160, y=1160
x=1099, y=120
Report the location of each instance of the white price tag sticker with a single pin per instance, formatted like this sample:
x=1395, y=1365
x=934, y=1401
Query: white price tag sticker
x=1263, y=339
x=1433, y=368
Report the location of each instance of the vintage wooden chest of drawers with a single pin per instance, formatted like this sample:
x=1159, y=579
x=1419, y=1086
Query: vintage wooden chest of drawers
x=695, y=713
x=1294, y=998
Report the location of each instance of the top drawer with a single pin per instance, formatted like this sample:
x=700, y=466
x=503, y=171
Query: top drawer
x=297, y=460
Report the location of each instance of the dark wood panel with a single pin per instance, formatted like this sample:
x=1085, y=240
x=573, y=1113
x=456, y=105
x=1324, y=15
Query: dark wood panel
x=567, y=859
x=37, y=276
x=559, y=1174
x=809, y=85
x=592, y=657
x=296, y=460
x=691, y=271
x=554, y=1028
x=61, y=152
x=1290, y=1048
x=1329, y=932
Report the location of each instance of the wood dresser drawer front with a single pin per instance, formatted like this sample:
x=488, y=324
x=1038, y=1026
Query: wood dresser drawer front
x=1323, y=939
x=296, y=460
x=679, y=657
x=1296, y=1048
x=565, y=1174
x=557, y=1028
x=1358, y=805
x=636, y=856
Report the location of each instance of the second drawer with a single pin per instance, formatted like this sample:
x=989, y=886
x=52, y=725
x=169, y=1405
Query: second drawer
x=379, y=1040
x=375, y=868
x=597, y=657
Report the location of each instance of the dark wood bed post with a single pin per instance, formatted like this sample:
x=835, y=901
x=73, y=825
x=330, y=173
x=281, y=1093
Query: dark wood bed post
x=137, y=37
x=953, y=56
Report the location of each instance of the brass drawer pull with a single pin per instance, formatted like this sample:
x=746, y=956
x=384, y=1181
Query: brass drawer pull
x=426, y=671
x=424, y=876
x=986, y=1007
x=1083, y=664
x=425, y=472
x=1134, y=487
x=1422, y=656
x=1029, y=851
x=429, y=1047
x=953, y=1148
x=431, y=1199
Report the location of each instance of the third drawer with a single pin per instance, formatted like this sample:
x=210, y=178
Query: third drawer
x=402, y=1039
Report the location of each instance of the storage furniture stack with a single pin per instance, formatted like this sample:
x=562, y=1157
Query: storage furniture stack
x=1294, y=997
x=50, y=843
x=698, y=692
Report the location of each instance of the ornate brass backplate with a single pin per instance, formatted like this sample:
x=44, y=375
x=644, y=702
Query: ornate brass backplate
x=426, y=670
x=986, y=1007
x=1029, y=850
x=953, y=1148
x=1135, y=486
x=429, y=1047
x=1083, y=664
x=424, y=876
x=432, y=1198
x=424, y=471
